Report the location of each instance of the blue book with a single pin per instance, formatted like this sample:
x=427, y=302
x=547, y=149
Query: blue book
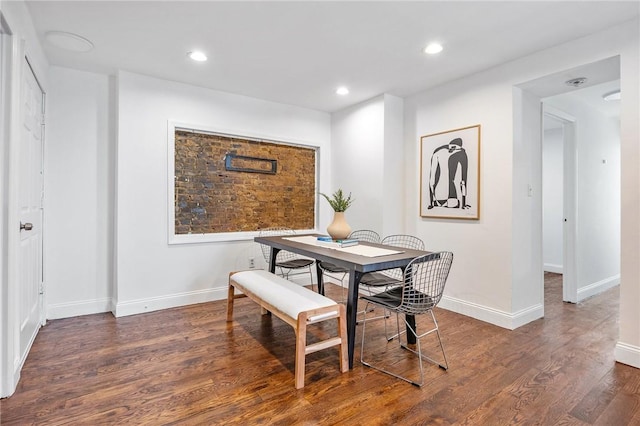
x=328, y=242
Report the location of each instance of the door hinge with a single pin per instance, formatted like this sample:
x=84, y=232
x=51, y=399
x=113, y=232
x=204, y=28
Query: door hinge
x=41, y=289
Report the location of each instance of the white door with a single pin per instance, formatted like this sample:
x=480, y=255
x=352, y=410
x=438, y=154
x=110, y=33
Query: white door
x=30, y=195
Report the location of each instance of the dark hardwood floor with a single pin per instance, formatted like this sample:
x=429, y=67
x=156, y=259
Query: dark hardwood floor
x=188, y=366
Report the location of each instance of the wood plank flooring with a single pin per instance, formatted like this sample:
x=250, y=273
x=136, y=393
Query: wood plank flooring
x=187, y=366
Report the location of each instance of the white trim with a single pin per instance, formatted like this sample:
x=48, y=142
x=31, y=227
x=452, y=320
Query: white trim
x=221, y=237
x=627, y=354
x=172, y=125
x=550, y=267
x=151, y=304
x=598, y=287
x=557, y=113
x=493, y=316
x=5, y=107
x=11, y=373
x=42, y=284
x=81, y=307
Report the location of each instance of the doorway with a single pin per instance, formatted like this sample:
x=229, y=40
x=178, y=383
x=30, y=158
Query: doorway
x=590, y=135
x=559, y=214
x=595, y=173
x=30, y=210
x=22, y=187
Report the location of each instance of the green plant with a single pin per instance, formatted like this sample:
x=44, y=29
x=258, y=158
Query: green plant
x=338, y=201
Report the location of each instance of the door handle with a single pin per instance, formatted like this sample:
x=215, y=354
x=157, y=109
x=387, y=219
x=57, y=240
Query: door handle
x=26, y=226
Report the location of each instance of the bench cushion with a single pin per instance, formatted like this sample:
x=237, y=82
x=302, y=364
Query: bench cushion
x=290, y=298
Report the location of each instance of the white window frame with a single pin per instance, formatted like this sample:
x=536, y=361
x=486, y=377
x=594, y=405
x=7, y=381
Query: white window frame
x=172, y=126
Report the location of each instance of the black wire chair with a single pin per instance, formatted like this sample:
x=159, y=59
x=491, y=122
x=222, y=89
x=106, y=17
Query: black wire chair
x=373, y=282
x=286, y=261
x=420, y=292
x=391, y=277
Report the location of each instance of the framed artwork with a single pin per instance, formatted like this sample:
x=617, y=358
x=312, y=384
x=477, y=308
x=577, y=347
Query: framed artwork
x=450, y=174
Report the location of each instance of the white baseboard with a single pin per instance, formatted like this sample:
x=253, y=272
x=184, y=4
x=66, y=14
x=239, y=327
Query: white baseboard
x=627, y=354
x=140, y=306
x=81, y=307
x=550, y=267
x=497, y=317
x=597, y=287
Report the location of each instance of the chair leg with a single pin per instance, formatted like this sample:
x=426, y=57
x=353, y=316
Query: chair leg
x=417, y=351
x=364, y=332
x=284, y=273
x=419, y=359
x=398, y=332
x=385, y=315
x=444, y=355
x=313, y=287
x=435, y=329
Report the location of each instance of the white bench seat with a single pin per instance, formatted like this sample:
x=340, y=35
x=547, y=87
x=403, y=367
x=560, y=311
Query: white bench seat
x=297, y=306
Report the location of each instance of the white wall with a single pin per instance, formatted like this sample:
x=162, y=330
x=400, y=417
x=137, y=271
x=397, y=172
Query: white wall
x=368, y=161
x=496, y=274
x=357, y=139
x=598, y=195
x=79, y=195
x=481, y=272
x=628, y=346
x=393, y=166
x=150, y=274
x=552, y=201
x=528, y=277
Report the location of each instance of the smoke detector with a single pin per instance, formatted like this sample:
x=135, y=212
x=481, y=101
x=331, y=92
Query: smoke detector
x=576, y=82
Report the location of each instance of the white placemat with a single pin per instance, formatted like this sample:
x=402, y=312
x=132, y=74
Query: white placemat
x=360, y=249
x=368, y=251
x=305, y=239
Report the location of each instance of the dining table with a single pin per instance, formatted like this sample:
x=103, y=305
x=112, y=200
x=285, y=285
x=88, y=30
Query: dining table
x=357, y=259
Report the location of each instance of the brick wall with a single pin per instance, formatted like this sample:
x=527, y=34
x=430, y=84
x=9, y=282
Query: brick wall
x=211, y=199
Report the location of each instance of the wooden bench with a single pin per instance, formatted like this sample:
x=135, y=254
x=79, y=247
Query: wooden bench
x=295, y=305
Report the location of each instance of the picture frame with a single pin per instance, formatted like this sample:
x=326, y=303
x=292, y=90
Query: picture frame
x=450, y=174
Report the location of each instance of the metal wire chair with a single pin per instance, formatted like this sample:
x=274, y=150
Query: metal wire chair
x=391, y=277
x=422, y=289
x=286, y=261
x=339, y=273
x=373, y=281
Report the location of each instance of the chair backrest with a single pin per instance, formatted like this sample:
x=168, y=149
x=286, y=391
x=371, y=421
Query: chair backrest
x=404, y=241
x=424, y=281
x=366, y=235
x=283, y=255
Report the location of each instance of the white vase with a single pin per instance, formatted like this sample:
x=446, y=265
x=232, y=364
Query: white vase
x=339, y=228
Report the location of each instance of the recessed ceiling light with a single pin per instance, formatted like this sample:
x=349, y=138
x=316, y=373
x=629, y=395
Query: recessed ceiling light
x=433, y=48
x=612, y=96
x=68, y=41
x=197, y=56
x=342, y=91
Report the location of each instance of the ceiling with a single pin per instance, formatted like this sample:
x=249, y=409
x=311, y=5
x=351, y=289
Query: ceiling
x=592, y=96
x=298, y=53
